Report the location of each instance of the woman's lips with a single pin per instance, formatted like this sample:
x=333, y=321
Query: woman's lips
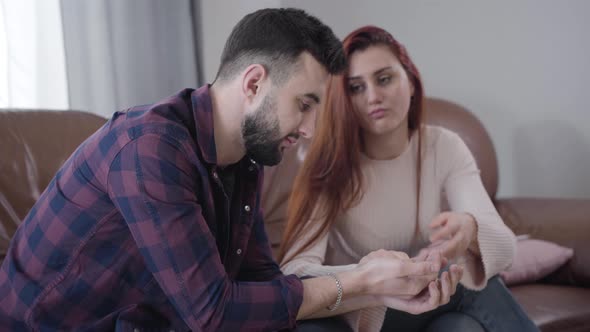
x=377, y=113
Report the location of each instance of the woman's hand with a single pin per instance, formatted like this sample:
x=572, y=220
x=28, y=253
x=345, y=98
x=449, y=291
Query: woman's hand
x=438, y=293
x=393, y=273
x=410, y=285
x=453, y=234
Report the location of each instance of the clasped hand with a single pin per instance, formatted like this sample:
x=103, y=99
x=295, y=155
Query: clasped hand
x=410, y=284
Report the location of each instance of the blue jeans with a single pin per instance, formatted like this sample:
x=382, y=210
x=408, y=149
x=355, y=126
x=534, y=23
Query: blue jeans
x=330, y=324
x=492, y=309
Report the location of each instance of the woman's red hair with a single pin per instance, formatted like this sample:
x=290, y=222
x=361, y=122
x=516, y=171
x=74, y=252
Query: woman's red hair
x=331, y=176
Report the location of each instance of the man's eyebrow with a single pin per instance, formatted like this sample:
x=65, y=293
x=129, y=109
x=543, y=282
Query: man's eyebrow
x=313, y=97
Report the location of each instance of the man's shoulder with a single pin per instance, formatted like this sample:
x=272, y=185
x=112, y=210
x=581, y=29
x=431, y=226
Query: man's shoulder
x=171, y=117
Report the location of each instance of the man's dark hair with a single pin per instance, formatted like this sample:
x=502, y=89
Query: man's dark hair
x=275, y=37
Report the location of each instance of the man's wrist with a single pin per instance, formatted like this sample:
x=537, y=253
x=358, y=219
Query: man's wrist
x=354, y=282
x=339, y=294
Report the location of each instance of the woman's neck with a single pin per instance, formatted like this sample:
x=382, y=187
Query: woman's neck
x=387, y=145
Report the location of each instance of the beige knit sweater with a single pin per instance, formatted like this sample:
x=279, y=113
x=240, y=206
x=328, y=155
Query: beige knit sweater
x=385, y=218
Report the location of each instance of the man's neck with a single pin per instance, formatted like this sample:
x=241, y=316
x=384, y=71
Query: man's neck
x=227, y=120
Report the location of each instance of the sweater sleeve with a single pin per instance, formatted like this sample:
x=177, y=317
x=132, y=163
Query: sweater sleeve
x=310, y=262
x=465, y=193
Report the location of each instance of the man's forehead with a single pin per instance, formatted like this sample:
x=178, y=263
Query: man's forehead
x=310, y=64
x=306, y=88
x=308, y=80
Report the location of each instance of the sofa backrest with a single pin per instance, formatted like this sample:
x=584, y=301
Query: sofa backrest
x=33, y=145
x=457, y=118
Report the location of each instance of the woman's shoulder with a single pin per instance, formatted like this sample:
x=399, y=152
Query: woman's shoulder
x=445, y=149
x=440, y=138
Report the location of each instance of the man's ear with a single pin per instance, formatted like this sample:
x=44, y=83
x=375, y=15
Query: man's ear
x=253, y=78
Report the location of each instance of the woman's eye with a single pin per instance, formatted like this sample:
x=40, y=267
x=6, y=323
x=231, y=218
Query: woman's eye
x=384, y=79
x=355, y=88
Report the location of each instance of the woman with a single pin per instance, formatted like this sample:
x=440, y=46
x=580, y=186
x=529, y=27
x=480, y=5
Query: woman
x=375, y=178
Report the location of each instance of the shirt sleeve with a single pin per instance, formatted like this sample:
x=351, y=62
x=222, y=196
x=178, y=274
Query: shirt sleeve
x=153, y=184
x=465, y=193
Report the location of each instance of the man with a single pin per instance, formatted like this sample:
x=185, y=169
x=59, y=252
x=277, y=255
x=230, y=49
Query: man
x=154, y=223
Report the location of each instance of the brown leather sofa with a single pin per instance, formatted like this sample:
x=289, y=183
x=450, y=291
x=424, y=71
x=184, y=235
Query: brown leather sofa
x=33, y=144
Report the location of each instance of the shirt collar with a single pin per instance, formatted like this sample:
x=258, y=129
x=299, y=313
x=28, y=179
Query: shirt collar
x=203, y=115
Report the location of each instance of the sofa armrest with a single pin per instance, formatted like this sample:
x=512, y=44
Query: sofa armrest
x=563, y=221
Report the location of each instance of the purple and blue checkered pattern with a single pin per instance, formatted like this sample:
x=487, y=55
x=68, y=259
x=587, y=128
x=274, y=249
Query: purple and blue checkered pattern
x=136, y=232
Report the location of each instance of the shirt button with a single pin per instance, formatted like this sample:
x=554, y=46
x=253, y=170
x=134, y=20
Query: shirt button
x=215, y=175
x=250, y=168
x=135, y=330
x=239, y=251
x=247, y=208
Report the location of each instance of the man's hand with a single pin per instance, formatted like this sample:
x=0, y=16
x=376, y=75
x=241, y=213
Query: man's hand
x=438, y=293
x=383, y=278
x=393, y=273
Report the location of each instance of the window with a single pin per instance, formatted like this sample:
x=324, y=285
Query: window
x=32, y=61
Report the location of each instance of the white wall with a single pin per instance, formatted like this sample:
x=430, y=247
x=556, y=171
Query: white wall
x=33, y=71
x=218, y=17
x=522, y=66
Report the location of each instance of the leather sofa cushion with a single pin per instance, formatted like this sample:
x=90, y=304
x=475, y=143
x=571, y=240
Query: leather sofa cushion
x=555, y=308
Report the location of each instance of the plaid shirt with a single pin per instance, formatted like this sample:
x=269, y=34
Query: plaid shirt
x=136, y=232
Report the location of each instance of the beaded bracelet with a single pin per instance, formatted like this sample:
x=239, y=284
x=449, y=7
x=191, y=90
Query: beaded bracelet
x=340, y=291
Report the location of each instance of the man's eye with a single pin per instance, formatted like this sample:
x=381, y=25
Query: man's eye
x=305, y=107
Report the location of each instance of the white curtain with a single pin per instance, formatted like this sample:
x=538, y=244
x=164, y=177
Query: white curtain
x=124, y=53
x=32, y=59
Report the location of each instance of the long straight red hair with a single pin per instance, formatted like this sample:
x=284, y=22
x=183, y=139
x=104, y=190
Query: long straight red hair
x=331, y=176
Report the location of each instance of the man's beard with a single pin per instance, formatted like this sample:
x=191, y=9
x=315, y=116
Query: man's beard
x=262, y=135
